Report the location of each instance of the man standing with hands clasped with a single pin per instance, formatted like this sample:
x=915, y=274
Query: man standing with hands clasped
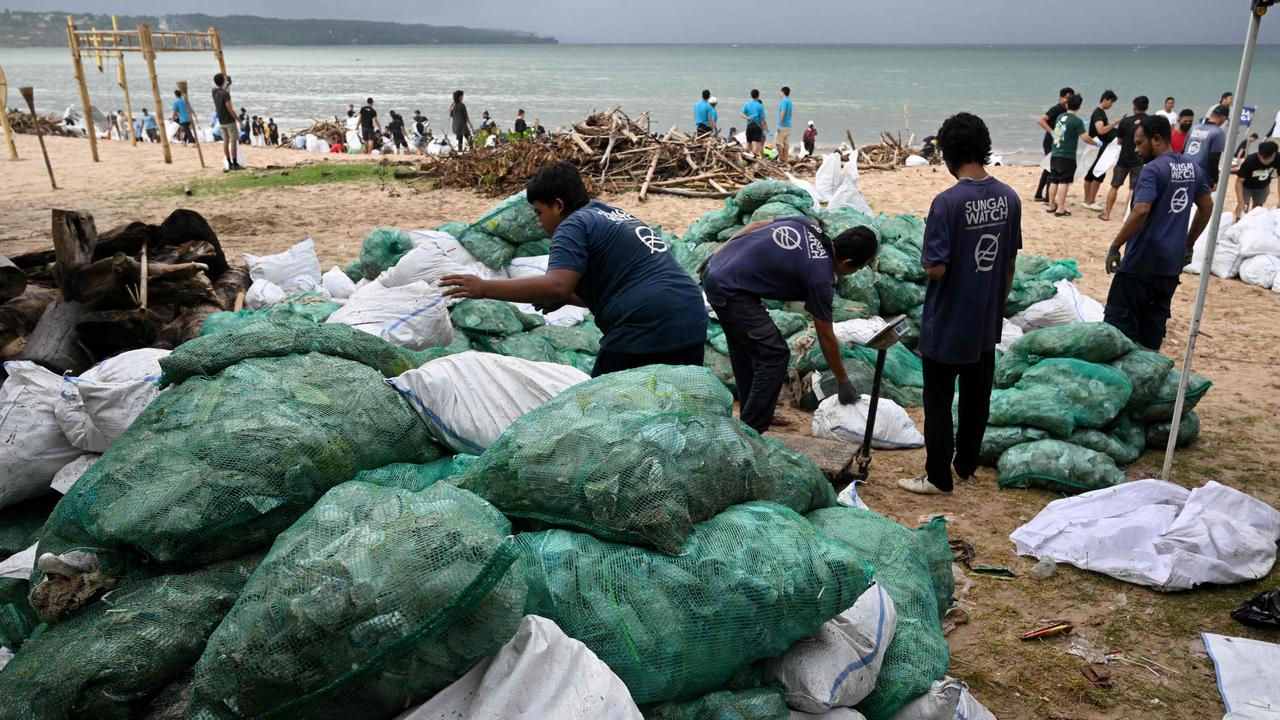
x=972, y=238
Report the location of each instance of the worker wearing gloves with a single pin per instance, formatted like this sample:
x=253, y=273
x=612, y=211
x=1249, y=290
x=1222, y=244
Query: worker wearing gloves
x=604, y=259
x=790, y=259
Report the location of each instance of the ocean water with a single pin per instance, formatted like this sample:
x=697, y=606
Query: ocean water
x=858, y=88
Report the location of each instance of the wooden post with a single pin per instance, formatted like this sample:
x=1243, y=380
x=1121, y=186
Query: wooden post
x=216, y=38
x=120, y=78
x=29, y=95
x=195, y=126
x=74, y=44
x=4, y=116
x=149, y=53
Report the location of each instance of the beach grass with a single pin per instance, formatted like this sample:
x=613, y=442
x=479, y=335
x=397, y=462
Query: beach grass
x=315, y=174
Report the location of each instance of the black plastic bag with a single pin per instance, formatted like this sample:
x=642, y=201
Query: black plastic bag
x=1261, y=611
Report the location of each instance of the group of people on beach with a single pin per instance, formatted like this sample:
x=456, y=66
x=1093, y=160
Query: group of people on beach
x=1201, y=142
x=706, y=120
x=401, y=137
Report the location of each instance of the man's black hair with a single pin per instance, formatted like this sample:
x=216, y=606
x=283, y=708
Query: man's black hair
x=457, y=95
x=1157, y=126
x=177, y=93
x=1109, y=95
x=755, y=94
x=1141, y=103
x=520, y=111
x=964, y=138
x=1064, y=92
x=1075, y=102
x=706, y=94
x=1187, y=112
x=219, y=79
x=1226, y=95
x=1267, y=147
x=1169, y=98
x=858, y=244
x=368, y=101
x=786, y=90
x=558, y=181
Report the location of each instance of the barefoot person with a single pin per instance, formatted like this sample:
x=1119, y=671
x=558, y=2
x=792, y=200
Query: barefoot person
x=972, y=238
x=649, y=309
x=791, y=260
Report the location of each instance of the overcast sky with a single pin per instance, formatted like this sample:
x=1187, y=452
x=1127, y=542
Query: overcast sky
x=788, y=21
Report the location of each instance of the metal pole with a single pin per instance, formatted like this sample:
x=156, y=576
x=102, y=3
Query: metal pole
x=92, y=130
x=1215, y=222
x=120, y=78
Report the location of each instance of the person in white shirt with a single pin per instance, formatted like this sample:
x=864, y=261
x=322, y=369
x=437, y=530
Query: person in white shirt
x=1227, y=98
x=1168, y=112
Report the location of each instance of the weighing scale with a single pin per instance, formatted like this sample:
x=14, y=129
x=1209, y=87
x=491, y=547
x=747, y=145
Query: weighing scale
x=880, y=342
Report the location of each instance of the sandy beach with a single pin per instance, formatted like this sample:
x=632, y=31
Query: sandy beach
x=1237, y=446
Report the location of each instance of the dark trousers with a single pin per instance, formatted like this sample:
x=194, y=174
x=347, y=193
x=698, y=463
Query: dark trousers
x=1042, y=189
x=758, y=353
x=1138, y=306
x=946, y=446
x=608, y=361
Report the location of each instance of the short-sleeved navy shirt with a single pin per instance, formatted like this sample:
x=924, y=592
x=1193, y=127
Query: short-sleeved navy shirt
x=1170, y=183
x=783, y=260
x=975, y=229
x=643, y=301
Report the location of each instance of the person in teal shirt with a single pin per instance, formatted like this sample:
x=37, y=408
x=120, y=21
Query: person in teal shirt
x=704, y=115
x=1068, y=131
x=757, y=126
x=783, y=140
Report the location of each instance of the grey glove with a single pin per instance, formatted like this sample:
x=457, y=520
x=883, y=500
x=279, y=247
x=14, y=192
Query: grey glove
x=847, y=392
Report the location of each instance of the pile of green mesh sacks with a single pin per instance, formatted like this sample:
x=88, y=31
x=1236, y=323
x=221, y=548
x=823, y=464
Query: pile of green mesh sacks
x=1074, y=403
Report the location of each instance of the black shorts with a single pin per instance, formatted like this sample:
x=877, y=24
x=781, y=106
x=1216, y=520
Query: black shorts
x=1121, y=173
x=755, y=133
x=368, y=134
x=703, y=128
x=1089, y=175
x=1062, y=171
x=1138, y=306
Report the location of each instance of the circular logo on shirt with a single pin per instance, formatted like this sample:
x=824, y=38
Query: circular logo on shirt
x=651, y=239
x=786, y=237
x=1193, y=148
x=986, y=252
x=1179, y=201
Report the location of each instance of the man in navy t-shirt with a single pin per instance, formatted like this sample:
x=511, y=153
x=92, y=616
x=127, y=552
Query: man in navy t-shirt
x=1156, y=235
x=602, y=258
x=972, y=238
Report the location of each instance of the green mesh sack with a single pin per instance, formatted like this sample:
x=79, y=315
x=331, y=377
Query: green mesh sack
x=898, y=296
x=1033, y=280
x=276, y=338
x=639, y=470
x=901, y=366
x=863, y=377
x=728, y=233
x=454, y=228
x=997, y=439
x=107, y=660
x=582, y=361
x=899, y=264
x=415, y=477
x=512, y=220
x=1109, y=444
x=354, y=270
x=775, y=211
x=535, y=248
x=1146, y=371
x=1188, y=432
x=486, y=317
x=746, y=584
x=718, y=363
x=17, y=620
x=1062, y=394
x=712, y=222
x=860, y=287
x=1058, y=466
x=494, y=252
x=788, y=324
x=1161, y=408
x=751, y=704
x=527, y=346
x=842, y=310
x=373, y=601
x=904, y=229
x=906, y=565
x=381, y=248
x=756, y=194
x=582, y=338
x=219, y=465
x=840, y=219
x=20, y=524
x=310, y=307
x=1092, y=342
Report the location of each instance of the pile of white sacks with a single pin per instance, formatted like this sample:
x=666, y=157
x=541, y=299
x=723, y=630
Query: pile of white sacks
x=1248, y=249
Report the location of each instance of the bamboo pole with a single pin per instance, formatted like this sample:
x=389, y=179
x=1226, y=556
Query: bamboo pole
x=149, y=54
x=216, y=39
x=4, y=116
x=120, y=78
x=191, y=114
x=142, y=279
x=29, y=95
x=78, y=65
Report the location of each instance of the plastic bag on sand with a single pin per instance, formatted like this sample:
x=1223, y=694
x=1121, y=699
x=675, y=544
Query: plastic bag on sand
x=1260, y=270
x=427, y=263
x=1258, y=235
x=914, y=567
x=1061, y=395
x=263, y=294
x=96, y=408
x=640, y=456
x=469, y=399
x=947, y=699
x=373, y=601
x=1093, y=342
x=1057, y=466
x=528, y=266
x=412, y=316
x=337, y=284
x=32, y=445
x=281, y=268
x=75, y=668
x=688, y=628
x=1197, y=256
x=445, y=238
x=1069, y=305
x=1009, y=332
x=894, y=428
x=839, y=665
x=1246, y=675
x=540, y=674
x=750, y=704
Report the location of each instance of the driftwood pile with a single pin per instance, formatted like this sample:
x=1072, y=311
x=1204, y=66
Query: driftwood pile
x=331, y=132
x=49, y=124
x=93, y=296
x=614, y=152
x=888, y=154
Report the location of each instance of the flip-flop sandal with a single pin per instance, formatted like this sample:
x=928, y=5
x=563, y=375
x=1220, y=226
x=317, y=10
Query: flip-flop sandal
x=1064, y=213
x=1050, y=210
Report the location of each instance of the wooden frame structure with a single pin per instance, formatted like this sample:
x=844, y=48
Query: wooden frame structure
x=117, y=42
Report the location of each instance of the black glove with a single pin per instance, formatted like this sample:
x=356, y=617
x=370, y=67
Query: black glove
x=847, y=392
x=1188, y=255
x=1113, y=260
